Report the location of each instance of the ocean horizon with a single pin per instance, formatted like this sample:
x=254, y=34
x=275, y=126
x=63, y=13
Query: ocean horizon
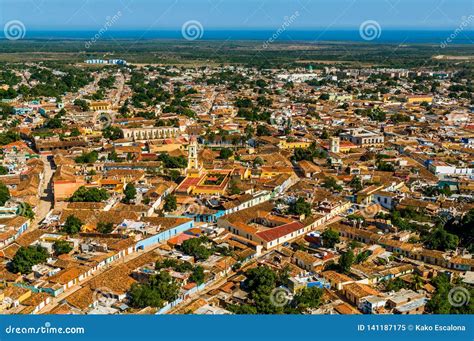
x=395, y=36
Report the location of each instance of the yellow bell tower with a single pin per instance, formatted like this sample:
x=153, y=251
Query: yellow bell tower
x=194, y=169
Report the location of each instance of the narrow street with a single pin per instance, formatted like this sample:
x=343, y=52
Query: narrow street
x=46, y=193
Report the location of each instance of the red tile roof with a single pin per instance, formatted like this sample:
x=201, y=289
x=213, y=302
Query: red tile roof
x=280, y=231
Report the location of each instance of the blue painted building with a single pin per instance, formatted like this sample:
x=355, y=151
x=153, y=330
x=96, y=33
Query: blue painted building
x=164, y=235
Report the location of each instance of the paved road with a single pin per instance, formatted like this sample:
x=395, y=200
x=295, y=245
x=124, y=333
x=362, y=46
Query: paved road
x=46, y=193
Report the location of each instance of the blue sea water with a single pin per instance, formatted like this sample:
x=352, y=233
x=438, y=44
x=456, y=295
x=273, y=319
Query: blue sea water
x=386, y=36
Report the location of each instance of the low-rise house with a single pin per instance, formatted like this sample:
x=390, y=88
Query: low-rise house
x=355, y=292
x=305, y=260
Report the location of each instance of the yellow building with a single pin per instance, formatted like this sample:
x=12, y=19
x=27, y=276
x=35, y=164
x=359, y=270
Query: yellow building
x=294, y=144
x=95, y=106
x=419, y=99
x=270, y=172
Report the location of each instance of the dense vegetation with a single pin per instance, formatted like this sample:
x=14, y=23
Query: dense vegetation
x=61, y=247
x=72, y=225
x=84, y=194
x=159, y=289
x=4, y=194
x=441, y=302
x=262, y=284
x=26, y=257
x=176, y=52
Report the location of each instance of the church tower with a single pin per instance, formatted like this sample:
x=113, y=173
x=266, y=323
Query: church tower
x=334, y=145
x=193, y=163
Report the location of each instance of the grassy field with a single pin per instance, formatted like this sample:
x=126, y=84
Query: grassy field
x=236, y=52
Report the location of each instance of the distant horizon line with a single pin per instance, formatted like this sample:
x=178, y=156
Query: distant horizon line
x=392, y=28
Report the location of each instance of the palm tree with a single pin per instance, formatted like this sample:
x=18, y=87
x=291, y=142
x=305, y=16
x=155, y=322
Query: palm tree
x=417, y=282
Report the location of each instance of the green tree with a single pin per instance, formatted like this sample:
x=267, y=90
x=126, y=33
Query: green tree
x=331, y=183
x=26, y=211
x=112, y=133
x=324, y=134
x=233, y=187
x=195, y=247
x=463, y=229
x=159, y=289
x=72, y=225
x=172, y=162
x=300, y=207
x=105, y=228
x=395, y=284
x=198, y=275
x=3, y=170
x=130, y=193
x=173, y=174
x=61, y=247
x=8, y=137
x=346, y=260
x=142, y=296
x=244, y=309
x=260, y=280
x=440, y=302
x=356, y=184
x=225, y=153
x=4, y=194
x=54, y=123
x=84, y=194
x=170, y=203
x=258, y=162
x=330, y=238
x=263, y=130
x=249, y=131
x=82, y=104
x=91, y=157
x=308, y=298
x=441, y=240
x=165, y=285
x=26, y=257
x=74, y=132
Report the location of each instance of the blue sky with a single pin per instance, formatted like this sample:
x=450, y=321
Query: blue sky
x=239, y=14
